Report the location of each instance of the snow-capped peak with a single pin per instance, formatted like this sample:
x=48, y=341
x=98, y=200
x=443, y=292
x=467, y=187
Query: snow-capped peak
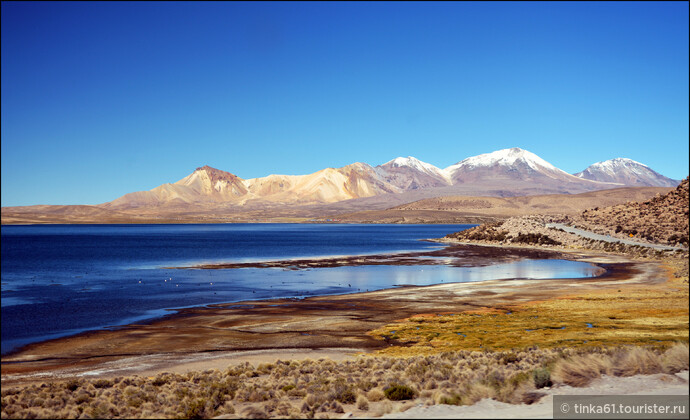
x=414, y=163
x=504, y=157
x=626, y=171
x=612, y=166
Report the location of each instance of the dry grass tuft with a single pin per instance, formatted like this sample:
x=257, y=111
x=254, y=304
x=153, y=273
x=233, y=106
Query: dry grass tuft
x=383, y=408
x=478, y=392
x=636, y=361
x=676, y=358
x=375, y=395
x=580, y=370
x=254, y=412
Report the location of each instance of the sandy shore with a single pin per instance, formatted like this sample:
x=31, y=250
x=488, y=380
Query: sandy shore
x=324, y=326
x=658, y=384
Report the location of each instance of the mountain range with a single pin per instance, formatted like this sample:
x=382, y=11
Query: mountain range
x=371, y=193
x=506, y=172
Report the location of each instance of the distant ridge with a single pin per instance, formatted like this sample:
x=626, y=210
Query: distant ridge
x=514, y=170
x=505, y=172
x=212, y=194
x=627, y=172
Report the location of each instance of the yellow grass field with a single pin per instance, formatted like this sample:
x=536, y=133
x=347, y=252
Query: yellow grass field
x=653, y=315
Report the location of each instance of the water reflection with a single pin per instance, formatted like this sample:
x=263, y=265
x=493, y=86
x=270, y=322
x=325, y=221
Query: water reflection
x=367, y=278
x=528, y=269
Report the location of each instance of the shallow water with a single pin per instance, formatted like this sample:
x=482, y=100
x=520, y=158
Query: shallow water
x=63, y=279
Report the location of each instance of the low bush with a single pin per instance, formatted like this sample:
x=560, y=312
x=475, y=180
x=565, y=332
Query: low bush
x=72, y=384
x=399, y=392
x=362, y=403
x=636, y=361
x=535, y=238
x=676, y=358
x=102, y=383
x=541, y=378
x=195, y=409
x=375, y=395
x=452, y=377
x=579, y=371
x=454, y=399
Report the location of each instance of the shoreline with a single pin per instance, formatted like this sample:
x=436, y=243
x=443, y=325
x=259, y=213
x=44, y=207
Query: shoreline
x=281, y=324
x=461, y=253
x=476, y=252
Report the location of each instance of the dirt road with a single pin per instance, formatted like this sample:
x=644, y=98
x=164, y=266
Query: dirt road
x=598, y=237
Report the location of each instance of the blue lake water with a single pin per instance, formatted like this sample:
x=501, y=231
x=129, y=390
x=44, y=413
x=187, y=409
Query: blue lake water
x=59, y=280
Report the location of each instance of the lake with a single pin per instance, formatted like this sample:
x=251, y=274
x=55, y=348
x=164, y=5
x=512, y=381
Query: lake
x=60, y=280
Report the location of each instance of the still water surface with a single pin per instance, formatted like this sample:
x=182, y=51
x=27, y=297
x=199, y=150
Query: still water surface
x=59, y=280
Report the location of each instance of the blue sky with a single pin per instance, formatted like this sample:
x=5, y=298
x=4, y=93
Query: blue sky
x=102, y=99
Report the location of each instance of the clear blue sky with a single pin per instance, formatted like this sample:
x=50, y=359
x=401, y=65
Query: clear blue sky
x=102, y=99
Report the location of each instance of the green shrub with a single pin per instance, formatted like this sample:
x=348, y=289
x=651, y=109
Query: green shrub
x=542, y=378
x=455, y=399
x=519, y=378
x=399, y=392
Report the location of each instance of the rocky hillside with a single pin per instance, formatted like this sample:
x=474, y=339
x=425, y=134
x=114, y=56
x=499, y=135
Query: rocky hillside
x=524, y=230
x=663, y=219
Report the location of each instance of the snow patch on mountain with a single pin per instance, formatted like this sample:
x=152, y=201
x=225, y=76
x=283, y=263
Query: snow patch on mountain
x=416, y=164
x=504, y=157
x=625, y=171
x=613, y=166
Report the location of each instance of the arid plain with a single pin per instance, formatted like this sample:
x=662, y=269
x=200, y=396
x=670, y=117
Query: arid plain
x=451, y=209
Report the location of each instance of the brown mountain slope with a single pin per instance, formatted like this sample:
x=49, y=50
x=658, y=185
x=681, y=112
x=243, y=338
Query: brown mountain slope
x=457, y=209
x=207, y=187
x=463, y=209
x=67, y=214
x=662, y=219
